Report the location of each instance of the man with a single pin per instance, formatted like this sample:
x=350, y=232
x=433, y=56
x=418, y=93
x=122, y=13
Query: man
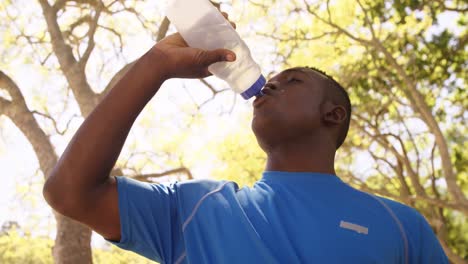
x=299, y=212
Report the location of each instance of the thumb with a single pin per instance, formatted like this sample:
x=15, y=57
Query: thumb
x=218, y=55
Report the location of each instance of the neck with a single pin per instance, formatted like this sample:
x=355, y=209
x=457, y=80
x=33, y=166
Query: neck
x=302, y=156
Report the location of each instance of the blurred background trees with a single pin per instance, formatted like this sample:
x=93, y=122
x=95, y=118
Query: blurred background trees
x=403, y=63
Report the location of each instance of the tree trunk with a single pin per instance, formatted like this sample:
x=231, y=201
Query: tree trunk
x=73, y=239
x=72, y=243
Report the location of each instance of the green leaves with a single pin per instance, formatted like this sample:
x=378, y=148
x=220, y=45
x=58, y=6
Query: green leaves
x=238, y=157
x=17, y=248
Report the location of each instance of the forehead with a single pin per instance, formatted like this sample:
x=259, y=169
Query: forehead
x=306, y=72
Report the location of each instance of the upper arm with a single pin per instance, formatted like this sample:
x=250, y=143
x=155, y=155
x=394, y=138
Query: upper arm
x=134, y=215
x=149, y=219
x=101, y=213
x=98, y=207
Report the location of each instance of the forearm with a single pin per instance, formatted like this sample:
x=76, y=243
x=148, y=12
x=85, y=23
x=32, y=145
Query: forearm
x=94, y=149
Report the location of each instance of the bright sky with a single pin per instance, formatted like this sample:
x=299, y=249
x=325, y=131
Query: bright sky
x=20, y=191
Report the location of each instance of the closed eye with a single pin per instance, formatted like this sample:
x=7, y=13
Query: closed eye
x=291, y=80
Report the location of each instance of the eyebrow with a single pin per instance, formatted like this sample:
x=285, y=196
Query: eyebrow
x=292, y=70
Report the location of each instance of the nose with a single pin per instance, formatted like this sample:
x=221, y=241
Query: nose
x=271, y=88
x=274, y=85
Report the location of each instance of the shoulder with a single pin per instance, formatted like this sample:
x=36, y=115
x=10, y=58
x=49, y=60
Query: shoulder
x=205, y=186
x=191, y=187
x=423, y=242
x=193, y=191
x=402, y=211
x=414, y=223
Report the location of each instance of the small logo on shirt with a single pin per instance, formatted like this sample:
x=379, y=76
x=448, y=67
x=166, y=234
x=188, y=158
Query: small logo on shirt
x=358, y=228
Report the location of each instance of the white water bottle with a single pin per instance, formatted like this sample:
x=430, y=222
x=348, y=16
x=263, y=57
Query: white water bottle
x=203, y=26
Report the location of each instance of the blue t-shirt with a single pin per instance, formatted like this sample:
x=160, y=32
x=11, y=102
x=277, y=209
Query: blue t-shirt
x=285, y=218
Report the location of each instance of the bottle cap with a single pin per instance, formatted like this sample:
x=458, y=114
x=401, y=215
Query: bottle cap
x=255, y=88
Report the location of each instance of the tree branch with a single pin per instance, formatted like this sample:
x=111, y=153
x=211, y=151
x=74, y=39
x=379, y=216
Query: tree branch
x=405, y=191
x=442, y=236
x=73, y=71
x=10, y=86
x=368, y=21
x=418, y=103
x=333, y=25
x=59, y=4
x=5, y=107
x=92, y=30
x=382, y=140
x=294, y=38
x=19, y=113
x=163, y=28
x=431, y=201
x=117, y=34
x=152, y=176
x=54, y=122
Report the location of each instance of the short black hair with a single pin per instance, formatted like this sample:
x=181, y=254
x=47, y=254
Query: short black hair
x=344, y=99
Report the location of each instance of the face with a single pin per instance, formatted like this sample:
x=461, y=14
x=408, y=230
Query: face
x=289, y=108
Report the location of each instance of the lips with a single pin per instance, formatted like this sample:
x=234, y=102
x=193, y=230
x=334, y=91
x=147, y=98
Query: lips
x=259, y=100
x=266, y=93
x=271, y=89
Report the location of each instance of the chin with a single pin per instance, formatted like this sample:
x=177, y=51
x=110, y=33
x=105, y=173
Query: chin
x=260, y=126
x=267, y=133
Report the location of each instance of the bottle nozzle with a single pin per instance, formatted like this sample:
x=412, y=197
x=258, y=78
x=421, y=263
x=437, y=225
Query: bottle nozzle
x=255, y=89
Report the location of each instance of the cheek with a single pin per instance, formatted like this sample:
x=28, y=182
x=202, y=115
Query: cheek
x=301, y=108
x=303, y=119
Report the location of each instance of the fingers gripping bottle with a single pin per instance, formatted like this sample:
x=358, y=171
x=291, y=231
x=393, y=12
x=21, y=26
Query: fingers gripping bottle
x=203, y=26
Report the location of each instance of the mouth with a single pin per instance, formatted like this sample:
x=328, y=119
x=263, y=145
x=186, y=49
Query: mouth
x=259, y=100
x=264, y=95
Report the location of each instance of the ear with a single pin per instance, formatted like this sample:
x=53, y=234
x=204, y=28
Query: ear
x=333, y=114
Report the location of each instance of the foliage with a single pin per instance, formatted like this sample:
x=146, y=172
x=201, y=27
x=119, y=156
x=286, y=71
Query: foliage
x=402, y=61
x=238, y=156
x=118, y=256
x=16, y=248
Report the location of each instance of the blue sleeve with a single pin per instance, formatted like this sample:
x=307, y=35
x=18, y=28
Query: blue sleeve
x=149, y=220
x=431, y=250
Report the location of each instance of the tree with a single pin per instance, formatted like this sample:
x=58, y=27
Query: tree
x=405, y=73
x=66, y=42
x=69, y=40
